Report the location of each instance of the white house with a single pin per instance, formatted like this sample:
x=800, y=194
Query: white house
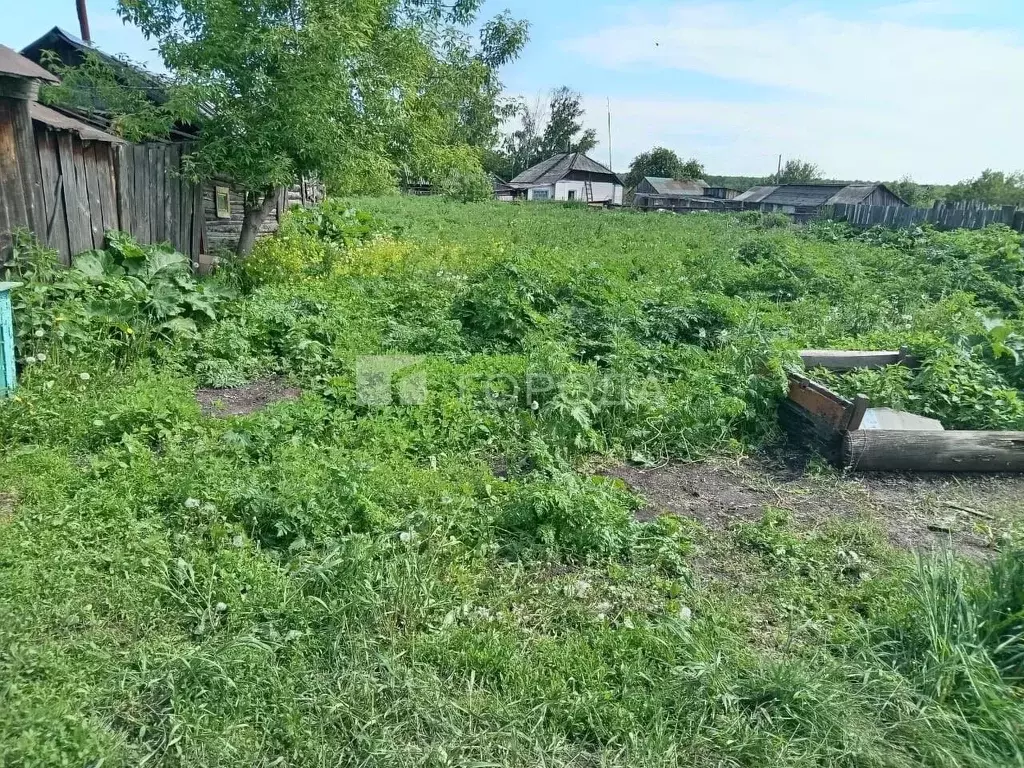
x=569, y=176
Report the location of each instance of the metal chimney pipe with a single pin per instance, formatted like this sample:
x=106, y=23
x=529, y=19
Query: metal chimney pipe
x=83, y=20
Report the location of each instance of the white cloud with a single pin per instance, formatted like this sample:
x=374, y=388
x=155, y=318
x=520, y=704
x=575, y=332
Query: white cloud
x=864, y=98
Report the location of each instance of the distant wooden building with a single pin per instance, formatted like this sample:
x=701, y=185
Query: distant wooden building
x=660, y=192
x=805, y=199
x=569, y=176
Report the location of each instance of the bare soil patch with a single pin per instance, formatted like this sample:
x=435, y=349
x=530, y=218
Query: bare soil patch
x=249, y=398
x=971, y=512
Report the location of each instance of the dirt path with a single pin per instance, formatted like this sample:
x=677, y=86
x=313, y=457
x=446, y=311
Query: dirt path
x=972, y=512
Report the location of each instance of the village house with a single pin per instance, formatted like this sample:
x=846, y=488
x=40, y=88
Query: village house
x=568, y=176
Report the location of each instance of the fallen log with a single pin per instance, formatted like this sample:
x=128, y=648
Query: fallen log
x=882, y=450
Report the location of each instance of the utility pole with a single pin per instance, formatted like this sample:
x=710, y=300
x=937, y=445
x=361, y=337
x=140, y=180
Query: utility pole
x=778, y=176
x=83, y=21
x=610, y=168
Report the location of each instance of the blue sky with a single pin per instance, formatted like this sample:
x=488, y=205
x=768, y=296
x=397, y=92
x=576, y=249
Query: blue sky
x=870, y=89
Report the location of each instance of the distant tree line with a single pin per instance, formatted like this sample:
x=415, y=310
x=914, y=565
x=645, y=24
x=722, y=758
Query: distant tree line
x=545, y=128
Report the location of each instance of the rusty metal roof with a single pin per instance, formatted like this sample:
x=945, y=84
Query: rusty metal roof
x=54, y=119
x=14, y=64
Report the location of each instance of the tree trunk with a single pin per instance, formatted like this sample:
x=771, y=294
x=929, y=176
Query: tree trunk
x=253, y=219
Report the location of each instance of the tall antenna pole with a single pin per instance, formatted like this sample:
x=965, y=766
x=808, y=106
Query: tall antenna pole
x=609, y=133
x=778, y=176
x=83, y=20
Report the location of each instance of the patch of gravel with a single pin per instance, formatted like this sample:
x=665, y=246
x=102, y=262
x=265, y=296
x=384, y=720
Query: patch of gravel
x=249, y=398
x=968, y=511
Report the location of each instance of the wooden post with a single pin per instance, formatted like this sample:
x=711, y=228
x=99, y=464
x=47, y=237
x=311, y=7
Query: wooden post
x=883, y=450
x=8, y=375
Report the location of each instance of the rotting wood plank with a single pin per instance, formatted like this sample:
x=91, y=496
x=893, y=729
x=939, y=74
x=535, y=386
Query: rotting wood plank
x=76, y=204
x=92, y=180
x=934, y=451
x=53, y=194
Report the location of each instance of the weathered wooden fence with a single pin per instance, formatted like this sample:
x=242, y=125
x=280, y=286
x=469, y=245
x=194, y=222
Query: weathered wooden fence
x=155, y=202
x=91, y=186
x=940, y=215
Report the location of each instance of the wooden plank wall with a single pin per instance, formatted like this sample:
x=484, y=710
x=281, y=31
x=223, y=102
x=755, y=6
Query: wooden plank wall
x=74, y=190
x=155, y=203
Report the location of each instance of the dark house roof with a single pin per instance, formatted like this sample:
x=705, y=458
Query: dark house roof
x=71, y=52
x=812, y=195
x=677, y=187
x=557, y=167
x=14, y=64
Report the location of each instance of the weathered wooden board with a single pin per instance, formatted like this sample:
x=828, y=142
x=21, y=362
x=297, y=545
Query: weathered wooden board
x=819, y=402
x=933, y=451
x=140, y=212
x=76, y=196
x=92, y=181
x=848, y=360
x=55, y=214
x=10, y=171
x=158, y=184
x=105, y=182
x=28, y=163
x=172, y=204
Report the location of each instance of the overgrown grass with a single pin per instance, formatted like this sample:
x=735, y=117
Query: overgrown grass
x=436, y=580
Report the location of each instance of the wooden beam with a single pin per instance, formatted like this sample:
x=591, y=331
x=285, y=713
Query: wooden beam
x=933, y=451
x=848, y=360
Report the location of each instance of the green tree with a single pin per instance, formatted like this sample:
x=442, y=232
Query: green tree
x=991, y=187
x=355, y=93
x=797, y=171
x=917, y=195
x=662, y=163
x=564, y=131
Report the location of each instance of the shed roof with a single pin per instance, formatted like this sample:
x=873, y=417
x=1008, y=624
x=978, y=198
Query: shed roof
x=793, y=194
x=557, y=167
x=13, y=63
x=854, y=194
x=669, y=187
x=812, y=194
x=54, y=119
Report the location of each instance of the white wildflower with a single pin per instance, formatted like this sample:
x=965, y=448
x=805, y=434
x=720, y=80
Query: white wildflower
x=192, y=503
x=40, y=333
x=220, y=607
x=30, y=359
x=83, y=376
x=41, y=357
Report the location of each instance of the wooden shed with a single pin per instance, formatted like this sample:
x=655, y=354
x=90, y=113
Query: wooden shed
x=73, y=179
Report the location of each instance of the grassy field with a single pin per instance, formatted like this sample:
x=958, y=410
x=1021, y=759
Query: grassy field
x=428, y=557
